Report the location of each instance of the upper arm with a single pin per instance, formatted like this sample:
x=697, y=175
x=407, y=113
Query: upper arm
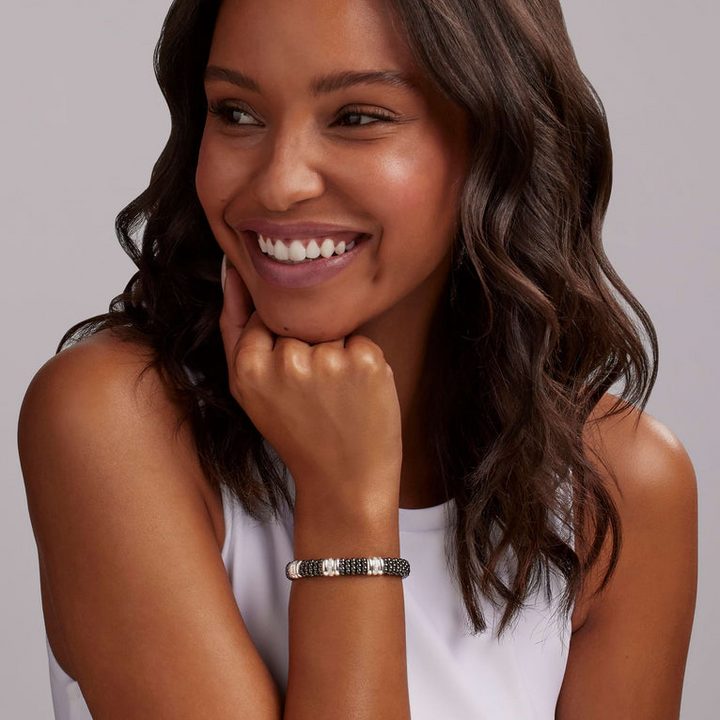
x=628, y=658
x=128, y=552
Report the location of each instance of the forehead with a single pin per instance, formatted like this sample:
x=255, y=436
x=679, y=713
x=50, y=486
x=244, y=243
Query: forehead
x=292, y=40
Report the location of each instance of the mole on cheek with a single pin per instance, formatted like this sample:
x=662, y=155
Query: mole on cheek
x=286, y=329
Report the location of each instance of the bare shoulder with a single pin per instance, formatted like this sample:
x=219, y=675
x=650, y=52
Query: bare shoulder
x=630, y=641
x=85, y=380
x=645, y=456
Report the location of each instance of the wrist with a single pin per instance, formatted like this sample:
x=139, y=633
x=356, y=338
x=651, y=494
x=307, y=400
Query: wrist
x=325, y=531
x=349, y=502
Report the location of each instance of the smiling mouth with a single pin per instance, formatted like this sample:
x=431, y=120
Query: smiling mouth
x=303, y=251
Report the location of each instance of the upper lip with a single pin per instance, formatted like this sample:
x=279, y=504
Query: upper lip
x=296, y=230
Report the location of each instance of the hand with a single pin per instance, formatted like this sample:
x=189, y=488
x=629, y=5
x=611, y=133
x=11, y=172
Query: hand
x=330, y=410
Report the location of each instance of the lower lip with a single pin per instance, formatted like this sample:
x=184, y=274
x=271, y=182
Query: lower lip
x=302, y=275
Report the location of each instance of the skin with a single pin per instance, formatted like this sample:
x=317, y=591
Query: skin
x=95, y=445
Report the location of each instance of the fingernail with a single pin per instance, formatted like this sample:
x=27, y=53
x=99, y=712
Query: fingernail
x=223, y=272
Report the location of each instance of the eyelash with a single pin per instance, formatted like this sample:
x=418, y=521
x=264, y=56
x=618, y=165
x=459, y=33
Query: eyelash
x=224, y=109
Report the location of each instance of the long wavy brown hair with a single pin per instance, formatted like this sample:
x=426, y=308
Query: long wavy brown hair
x=535, y=323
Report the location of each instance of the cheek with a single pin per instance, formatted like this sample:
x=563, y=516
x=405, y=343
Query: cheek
x=411, y=187
x=215, y=178
x=401, y=180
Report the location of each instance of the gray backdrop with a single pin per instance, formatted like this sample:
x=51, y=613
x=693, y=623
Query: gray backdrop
x=83, y=121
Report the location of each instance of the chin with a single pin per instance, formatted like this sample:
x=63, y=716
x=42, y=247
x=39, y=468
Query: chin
x=307, y=331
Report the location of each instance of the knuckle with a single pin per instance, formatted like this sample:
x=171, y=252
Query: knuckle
x=328, y=359
x=368, y=356
x=249, y=366
x=369, y=364
x=292, y=360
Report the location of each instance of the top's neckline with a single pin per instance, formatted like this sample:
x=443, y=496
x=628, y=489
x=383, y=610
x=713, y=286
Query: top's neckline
x=427, y=518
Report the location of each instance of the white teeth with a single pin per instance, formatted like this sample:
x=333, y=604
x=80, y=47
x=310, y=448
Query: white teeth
x=281, y=251
x=312, y=251
x=327, y=248
x=297, y=253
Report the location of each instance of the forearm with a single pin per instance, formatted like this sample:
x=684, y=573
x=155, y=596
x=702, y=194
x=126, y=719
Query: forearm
x=347, y=633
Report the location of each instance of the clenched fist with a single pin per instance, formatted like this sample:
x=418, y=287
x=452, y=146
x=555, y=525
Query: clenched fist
x=330, y=410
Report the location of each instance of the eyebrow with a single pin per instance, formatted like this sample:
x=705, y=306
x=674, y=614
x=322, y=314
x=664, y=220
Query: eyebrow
x=321, y=84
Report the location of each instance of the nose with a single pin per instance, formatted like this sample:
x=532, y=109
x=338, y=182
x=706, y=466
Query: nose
x=288, y=171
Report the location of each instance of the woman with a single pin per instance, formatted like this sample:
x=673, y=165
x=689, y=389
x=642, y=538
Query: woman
x=249, y=400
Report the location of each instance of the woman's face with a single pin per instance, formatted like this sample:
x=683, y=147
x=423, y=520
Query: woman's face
x=285, y=154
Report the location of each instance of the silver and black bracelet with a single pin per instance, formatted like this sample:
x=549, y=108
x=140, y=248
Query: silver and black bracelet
x=330, y=567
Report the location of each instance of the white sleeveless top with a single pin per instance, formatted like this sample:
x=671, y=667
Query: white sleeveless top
x=451, y=674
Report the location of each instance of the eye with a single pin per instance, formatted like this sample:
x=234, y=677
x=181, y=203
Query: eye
x=356, y=112
x=228, y=114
